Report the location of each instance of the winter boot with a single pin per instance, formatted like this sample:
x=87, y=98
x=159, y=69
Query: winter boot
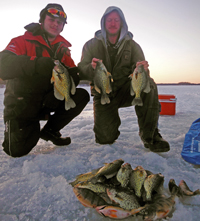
x=54, y=137
x=158, y=144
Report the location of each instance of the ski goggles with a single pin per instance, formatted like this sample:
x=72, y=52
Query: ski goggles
x=55, y=12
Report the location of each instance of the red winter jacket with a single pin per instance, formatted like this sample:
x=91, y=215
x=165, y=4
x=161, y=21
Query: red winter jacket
x=18, y=67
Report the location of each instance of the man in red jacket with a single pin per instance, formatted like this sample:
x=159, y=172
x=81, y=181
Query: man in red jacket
x=26, y=64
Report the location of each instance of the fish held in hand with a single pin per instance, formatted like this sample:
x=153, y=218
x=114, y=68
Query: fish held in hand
x=102, y=82
x=116, y=212
x=140, y=82
x=63, y=85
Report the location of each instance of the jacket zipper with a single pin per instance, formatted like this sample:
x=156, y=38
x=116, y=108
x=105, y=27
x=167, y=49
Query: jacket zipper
x=54, y=54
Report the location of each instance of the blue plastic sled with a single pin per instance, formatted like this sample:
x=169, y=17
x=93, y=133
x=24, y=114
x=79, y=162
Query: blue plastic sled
x=191, y=146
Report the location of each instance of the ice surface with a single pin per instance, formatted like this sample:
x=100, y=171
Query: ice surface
x=36, y=187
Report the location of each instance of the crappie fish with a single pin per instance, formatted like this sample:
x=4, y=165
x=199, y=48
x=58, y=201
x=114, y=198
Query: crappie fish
x=63, y=85
x=137, y=178
x=97, y=188
x=125, y=199
x=139, y=82
x=186, y=191
x=102, y=82
x=116, y=212
x=153, y=182
x=84, y=177
x=109, y=170
x=88, y=198
x=123, y=174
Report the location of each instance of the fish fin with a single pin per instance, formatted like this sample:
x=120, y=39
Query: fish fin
x=110, y=76
x=113, y=213
x=130, y=76
x=132, y=91
x=108, y=87
x=94, y=171
x=79, y=176
x=57, y=94
x=74, y=183
x=73, y=86
x=162, y=214
x=105, y=99
x=185, y=189
x=147, y=89
x=134, y=211
x=69, y=104
x=52, y=79
x=137, y=101
x=197, y=192
x=97, y=89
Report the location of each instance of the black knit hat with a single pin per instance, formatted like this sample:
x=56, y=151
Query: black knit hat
x=51, y=5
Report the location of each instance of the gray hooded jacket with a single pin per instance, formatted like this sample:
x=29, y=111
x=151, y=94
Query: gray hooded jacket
x=129, y=52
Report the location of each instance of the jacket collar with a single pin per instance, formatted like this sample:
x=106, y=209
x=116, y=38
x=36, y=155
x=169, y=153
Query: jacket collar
x=35, y=32
x=99, y=36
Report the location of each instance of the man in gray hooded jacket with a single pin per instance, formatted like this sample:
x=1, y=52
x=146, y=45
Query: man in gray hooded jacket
x=113, y=44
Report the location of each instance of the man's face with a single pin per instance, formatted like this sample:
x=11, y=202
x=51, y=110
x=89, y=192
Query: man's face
x=113, y=23
x=53, y=26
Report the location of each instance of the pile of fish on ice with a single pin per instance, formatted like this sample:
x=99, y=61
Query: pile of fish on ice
x=117, y=191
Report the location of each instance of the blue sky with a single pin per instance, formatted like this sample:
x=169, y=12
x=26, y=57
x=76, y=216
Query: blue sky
x=167, y=30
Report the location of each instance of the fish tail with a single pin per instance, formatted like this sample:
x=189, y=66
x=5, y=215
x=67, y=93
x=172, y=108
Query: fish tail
x=105, y=99
x=197, y=192
x=134, y=211
x=69, y=104
x=137, y=101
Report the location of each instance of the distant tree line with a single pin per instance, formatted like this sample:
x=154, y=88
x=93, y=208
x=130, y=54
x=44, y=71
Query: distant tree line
x=180, y=83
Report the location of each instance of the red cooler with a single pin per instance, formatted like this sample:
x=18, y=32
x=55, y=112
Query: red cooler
x=168, y=104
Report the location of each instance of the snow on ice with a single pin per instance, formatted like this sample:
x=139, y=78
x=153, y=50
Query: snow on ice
x=36, y=187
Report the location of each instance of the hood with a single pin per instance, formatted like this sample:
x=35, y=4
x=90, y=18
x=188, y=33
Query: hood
x=124, y=28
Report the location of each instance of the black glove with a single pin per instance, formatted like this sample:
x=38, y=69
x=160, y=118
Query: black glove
x=50, y=101
x=74, y=73
x=44, y=66
x=73, y=70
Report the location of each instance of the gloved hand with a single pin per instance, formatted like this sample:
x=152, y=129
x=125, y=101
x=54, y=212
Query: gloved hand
x=74, y=74
x=44, y=66
x=50, y=101
x=73, y=70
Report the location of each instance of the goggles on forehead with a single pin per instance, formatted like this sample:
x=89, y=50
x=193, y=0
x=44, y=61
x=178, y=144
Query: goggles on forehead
x=57, y=12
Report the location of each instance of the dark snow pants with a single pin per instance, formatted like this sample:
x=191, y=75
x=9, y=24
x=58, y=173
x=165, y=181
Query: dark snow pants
x=107, y=120
x=21, y=136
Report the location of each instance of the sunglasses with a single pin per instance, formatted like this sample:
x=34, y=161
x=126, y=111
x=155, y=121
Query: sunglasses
x=54, y=11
